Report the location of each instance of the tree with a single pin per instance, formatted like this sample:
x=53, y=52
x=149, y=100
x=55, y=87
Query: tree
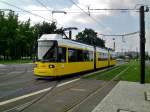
x=45, y=28
x=17, y=39
x=2, y=33
x=25, y=39
x=8, y=26
x=89, y=36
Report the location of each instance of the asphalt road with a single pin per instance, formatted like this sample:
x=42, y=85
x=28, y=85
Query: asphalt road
x=21, y=92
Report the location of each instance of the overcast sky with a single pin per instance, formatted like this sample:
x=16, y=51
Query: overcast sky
x=106, y=22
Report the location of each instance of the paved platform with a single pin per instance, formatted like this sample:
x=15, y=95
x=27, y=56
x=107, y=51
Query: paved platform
x=126, y=97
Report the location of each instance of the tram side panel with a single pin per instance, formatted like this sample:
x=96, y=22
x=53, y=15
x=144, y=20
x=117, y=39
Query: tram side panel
x=70, y=61
x=79, y=60
x=112, y=58
x=102, y=60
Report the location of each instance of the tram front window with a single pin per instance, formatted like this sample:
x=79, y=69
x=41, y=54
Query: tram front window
x=47, y=51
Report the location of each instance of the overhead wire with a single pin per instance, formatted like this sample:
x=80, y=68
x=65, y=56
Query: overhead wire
x=88, y=14
x=119, y=35
x=110, y=9
x=7, y=3
x=43, y=5
x=27, y=11
x=67, y=11
x=121, y=9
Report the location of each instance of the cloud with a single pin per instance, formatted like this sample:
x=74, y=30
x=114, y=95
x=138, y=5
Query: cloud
x=35, y=19
x=81, y=20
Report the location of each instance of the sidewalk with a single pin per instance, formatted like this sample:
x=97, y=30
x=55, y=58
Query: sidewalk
x=126, y=97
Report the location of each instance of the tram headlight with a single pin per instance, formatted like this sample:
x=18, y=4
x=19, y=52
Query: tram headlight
x=51, y=66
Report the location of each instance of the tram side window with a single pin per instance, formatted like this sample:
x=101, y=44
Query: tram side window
x=85, y=55
x=76, y=55
x=80, y=55
x=102, y=56
x=61, y=54
x=72, y=55
x=105, y=56
x=91, y=56
x=88, y=55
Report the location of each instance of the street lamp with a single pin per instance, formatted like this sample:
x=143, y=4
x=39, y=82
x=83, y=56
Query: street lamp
x=57, y=12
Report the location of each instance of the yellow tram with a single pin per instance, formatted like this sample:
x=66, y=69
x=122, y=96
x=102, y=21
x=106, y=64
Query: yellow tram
x=58, y=56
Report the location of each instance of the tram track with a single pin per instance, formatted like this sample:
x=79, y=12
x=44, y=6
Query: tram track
x=51, y=91
x=78, y=103
x=60, y=91
x=56, y=92
x=26, y=105
x=29, y=87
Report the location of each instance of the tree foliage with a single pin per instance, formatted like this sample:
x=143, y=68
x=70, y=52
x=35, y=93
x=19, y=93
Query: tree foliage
x=17, y=39
x=89, y=36
x=45, y=28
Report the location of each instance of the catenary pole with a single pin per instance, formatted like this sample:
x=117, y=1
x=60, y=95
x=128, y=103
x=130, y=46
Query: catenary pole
x=142, y=45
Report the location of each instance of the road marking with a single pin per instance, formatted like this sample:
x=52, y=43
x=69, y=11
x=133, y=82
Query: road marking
x=68, y=82
x=24, y=96
x=18, y=72
x=30, y=71
x=34, y=93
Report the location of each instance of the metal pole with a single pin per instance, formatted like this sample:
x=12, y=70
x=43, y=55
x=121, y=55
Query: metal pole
x=70, y=34
x=52, y=16
x=142, y=45
x=114, y=47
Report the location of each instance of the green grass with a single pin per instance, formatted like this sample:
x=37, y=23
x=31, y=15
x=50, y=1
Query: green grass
x=15, y=61
x=132, y=73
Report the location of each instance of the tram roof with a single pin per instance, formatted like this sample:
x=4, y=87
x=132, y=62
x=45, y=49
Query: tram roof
x=68, y=42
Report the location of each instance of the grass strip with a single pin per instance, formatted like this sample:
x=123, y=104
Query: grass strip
x=113, y=73
x=132, y=74
x=101, y=73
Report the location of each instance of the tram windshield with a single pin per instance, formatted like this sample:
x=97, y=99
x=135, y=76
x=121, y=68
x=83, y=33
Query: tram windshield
x=47, y=51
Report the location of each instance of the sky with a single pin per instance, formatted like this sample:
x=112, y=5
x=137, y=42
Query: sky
x=103, y=22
